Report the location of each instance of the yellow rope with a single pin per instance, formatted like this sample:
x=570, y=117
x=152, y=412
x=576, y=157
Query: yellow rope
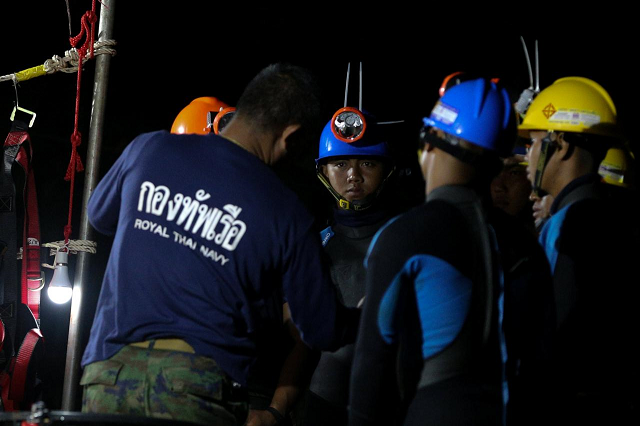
x=68, y=63
x=30, y=73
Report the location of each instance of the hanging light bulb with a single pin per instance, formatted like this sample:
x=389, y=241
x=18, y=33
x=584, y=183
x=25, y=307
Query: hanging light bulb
x=60, y=289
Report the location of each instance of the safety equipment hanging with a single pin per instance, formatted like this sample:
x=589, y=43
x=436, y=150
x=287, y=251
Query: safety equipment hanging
x=20, y=311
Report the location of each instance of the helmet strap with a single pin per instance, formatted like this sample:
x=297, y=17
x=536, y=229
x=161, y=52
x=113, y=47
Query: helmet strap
x=357, y=205
x=547, y=150
x=451, y=147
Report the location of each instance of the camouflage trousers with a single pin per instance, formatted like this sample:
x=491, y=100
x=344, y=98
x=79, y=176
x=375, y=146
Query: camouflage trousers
x=162, y=384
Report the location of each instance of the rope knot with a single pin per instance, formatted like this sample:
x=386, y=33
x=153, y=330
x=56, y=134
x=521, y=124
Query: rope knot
x=76, y=138
x=75, y=164
x=91, y=15
x=73, y=55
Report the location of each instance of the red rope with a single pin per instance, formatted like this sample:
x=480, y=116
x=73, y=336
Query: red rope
x=75, y=164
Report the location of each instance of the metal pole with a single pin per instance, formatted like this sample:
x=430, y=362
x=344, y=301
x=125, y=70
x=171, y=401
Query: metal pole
x=74, y=343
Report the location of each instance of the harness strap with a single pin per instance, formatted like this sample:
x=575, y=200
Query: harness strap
x=8, y=242
x=21, y=364
x=32, y=280
x=20, y=309
x=5, y=385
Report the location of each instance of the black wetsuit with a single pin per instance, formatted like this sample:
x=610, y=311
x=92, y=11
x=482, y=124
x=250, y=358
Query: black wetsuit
x=345, y=242
x=432, y=314
x=529, y=320
x=591, y=240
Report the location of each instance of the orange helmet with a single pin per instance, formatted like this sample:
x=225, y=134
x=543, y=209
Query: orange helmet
x=458, y=77
x=193, y=117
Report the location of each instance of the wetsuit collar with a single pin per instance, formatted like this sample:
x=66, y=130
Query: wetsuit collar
x=583, y=187
x=355, y=218
x=459, y=193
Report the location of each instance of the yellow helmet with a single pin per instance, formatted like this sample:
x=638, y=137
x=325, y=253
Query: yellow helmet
x=615, y=167
x=572, y=104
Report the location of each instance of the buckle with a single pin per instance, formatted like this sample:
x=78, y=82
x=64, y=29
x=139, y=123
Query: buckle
x=40, y=286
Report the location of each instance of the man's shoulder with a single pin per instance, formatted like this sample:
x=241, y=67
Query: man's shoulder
x=152, y=136
x=428, y=217
x=435, y=222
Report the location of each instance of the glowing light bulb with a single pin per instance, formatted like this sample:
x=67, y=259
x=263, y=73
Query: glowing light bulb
x=60, y=289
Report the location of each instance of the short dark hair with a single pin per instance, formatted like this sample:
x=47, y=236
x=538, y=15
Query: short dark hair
x=281, y=95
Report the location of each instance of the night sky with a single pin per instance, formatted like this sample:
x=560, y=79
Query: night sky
x=169, y=53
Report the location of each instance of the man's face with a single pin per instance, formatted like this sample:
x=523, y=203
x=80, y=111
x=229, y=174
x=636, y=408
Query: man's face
x=510, y=189
x=354, y=178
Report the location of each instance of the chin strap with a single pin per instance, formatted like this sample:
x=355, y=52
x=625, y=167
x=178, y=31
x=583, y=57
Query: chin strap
x=451, y=146
x=546, y=152
x=356, y=205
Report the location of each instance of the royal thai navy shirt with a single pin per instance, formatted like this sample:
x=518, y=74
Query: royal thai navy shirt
x=207, y=243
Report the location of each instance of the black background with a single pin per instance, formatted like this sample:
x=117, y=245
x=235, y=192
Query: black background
x=169, y=53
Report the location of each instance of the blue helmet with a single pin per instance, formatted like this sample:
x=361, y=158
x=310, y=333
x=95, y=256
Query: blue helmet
x=478, y=112
x=369, y=144
x=347, y=135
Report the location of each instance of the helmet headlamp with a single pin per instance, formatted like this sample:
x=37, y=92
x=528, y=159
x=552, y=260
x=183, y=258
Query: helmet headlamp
x=221, y=119
x=348, y=124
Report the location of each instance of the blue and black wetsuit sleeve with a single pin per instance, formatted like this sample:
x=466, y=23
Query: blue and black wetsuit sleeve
x=435, y=231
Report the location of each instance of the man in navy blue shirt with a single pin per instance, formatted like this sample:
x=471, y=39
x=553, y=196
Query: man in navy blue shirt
x=208, y=245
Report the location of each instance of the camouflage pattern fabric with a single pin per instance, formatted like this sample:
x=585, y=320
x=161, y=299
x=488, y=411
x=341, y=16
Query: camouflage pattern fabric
x=162, y=384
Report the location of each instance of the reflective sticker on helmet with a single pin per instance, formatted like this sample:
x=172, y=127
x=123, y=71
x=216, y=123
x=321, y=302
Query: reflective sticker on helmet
x=444, y=113
x=575, y=117
x=614, y=174
x=549, y=110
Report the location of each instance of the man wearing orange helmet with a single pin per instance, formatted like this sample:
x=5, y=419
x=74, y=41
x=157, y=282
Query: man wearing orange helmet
x=572, y=124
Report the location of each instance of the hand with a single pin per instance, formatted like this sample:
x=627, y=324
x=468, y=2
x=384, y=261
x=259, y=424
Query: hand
x=260, y=418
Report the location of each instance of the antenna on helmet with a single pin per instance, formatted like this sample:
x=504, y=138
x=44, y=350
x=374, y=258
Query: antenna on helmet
x=527, y=95
x=341, y=115
x=346, y=88
x=360, y=96
x=526, y=54
x=537, y=90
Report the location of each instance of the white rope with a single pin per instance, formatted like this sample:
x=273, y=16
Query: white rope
x=74, y=246
x=69, y=62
